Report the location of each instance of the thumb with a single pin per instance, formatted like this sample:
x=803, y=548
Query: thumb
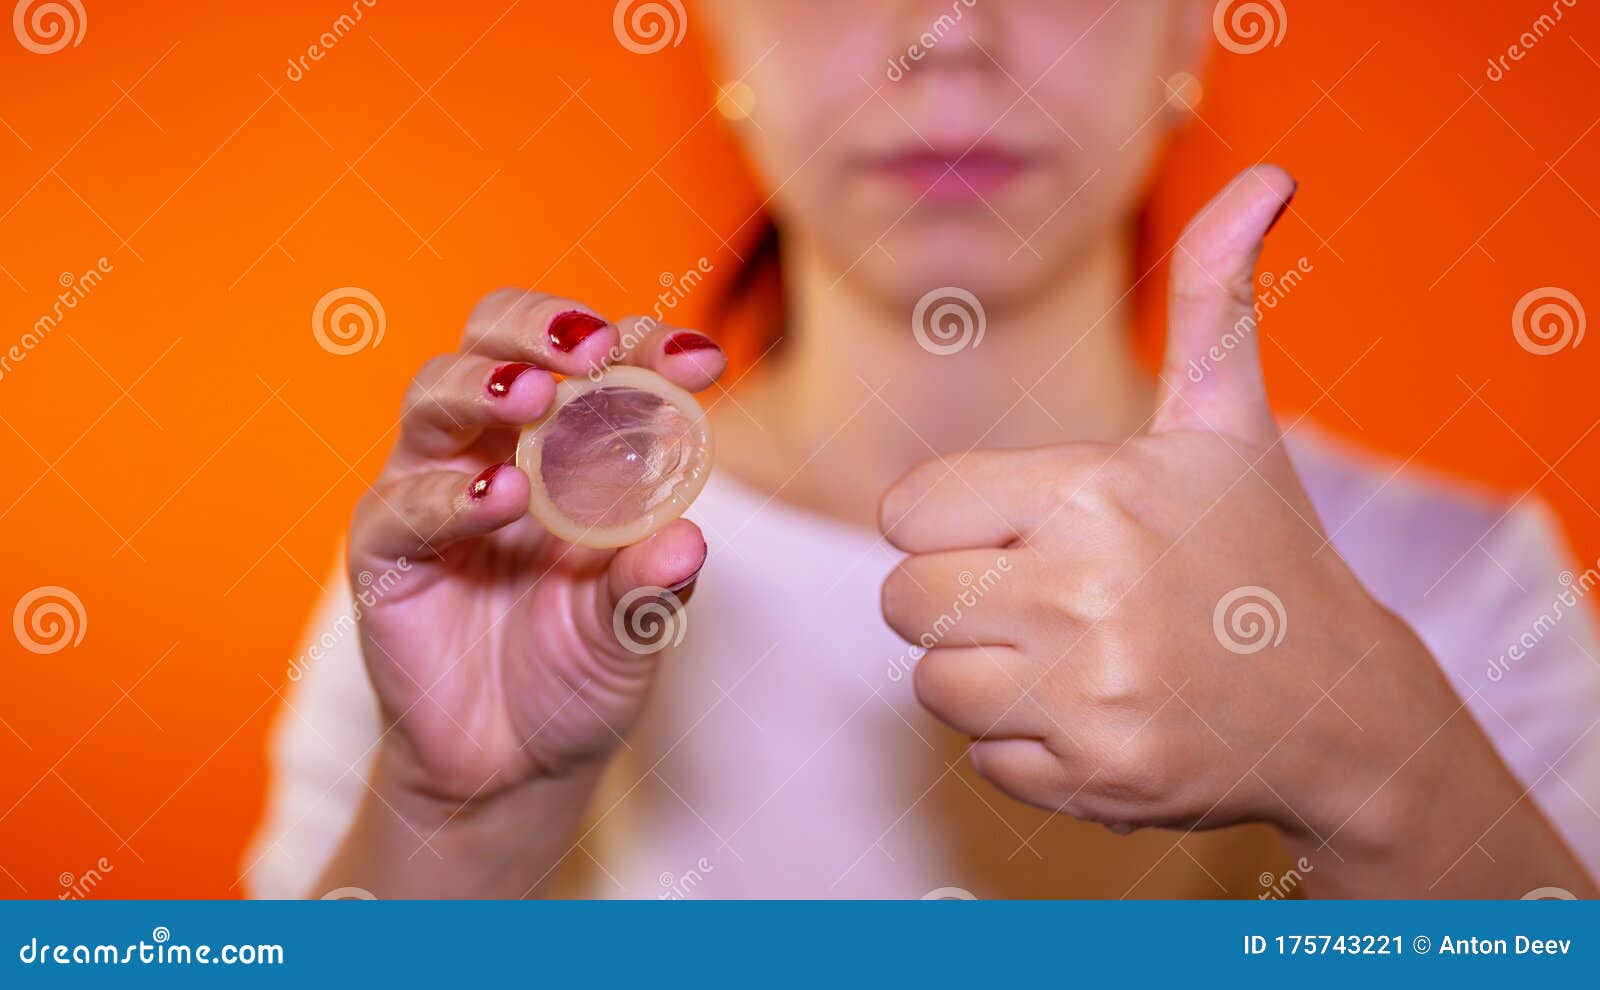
x=645, y=587
x=1211, y=376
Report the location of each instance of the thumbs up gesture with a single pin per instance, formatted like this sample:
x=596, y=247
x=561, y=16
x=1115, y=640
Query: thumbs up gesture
x=1154, y=633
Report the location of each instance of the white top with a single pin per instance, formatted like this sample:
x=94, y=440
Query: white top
x=784, y=753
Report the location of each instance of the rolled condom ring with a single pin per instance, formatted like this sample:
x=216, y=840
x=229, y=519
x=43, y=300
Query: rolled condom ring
x=616, y=458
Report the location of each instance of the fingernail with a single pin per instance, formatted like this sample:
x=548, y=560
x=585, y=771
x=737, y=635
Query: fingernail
x=478, y=488
x=686, y=582
x=505, y=376
x=570, y=329
x=683, y=343
x=1281, y=211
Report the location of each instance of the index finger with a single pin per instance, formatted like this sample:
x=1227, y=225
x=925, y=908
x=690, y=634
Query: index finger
x=981, y=498
x=553, y=332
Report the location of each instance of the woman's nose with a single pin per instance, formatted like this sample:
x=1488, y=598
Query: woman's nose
x=949, y=32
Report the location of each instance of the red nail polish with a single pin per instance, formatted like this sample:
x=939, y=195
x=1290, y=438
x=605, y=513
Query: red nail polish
x=478, y=488
x=570, y=329
x=686, y=582
x=683, y=343
x=505, y=376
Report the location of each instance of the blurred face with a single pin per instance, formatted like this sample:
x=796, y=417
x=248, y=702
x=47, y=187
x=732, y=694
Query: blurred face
x=977, y=143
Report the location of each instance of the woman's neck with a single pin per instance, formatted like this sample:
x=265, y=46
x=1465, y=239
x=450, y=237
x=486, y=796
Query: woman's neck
x=852, y=399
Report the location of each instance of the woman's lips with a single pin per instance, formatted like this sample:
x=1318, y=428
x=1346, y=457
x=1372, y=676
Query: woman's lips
x=953, y=176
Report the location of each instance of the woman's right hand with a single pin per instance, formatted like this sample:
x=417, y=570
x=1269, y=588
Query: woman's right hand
x=494, y=655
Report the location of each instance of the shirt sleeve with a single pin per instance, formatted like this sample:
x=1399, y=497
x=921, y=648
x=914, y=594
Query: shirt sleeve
x=321, y=751
x=1513, y=623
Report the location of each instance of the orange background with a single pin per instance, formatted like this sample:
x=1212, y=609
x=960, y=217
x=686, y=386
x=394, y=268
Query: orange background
x=183, y=455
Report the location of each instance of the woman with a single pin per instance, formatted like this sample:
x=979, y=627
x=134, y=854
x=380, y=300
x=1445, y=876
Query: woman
x=1068, y=539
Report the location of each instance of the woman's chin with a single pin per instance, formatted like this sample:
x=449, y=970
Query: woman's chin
x=915, y=277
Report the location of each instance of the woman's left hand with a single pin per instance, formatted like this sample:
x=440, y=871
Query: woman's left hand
x=1159, y=633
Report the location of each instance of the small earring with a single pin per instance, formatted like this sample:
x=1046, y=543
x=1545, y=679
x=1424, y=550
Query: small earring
x=736, y=100
x=1184, y=93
